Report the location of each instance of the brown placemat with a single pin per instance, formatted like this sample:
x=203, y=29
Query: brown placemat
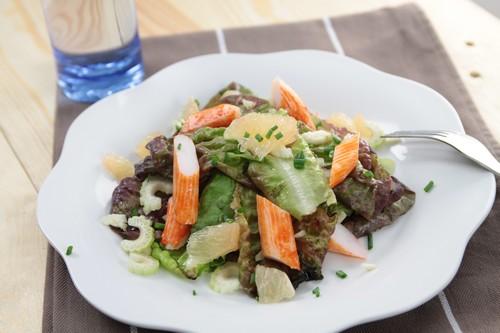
x=397, y=40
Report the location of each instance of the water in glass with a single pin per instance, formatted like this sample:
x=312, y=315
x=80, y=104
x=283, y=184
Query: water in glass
x=96, y=46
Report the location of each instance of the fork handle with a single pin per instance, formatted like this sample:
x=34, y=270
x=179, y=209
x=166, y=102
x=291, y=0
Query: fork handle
x=411, y=134
x=493, y=165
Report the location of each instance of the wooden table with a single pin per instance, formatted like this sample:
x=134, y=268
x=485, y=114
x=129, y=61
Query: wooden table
x=27, y=100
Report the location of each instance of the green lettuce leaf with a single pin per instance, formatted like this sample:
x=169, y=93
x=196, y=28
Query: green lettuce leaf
x=215, y=202
x=167, y=259
x=298, y=191
x=222, y=154
x=325, y=152
x=207, y=134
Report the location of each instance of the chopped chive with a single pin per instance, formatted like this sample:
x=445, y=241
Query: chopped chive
x=258, y=137
x=134, y=212
x=341, y=274
x=299, y=161
x=369, y=239
x=316, y=292
x=246, y=135
x=278, y=135
x=326, y=150
x=179, y=146
x=368, y=174
x=213, y=160
x=299, y=164
x=194, y=292
x=262, y=107
x=159, y=226
x=429, y=186
x=197, y=102
x=270, y=131
x=336, y=139
x=69, y=250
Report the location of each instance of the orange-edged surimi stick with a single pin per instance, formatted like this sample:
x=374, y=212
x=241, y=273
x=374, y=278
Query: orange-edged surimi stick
x=285, y=97
x=344, y=242
x=218, y=116
x=174, y=234
x=345, y=158
x=186, y=180
x=277, y=238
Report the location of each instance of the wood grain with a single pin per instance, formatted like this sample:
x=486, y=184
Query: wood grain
x=22, y=248
x=27, y=101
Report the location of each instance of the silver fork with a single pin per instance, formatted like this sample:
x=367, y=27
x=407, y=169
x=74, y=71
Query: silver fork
x=467, y=145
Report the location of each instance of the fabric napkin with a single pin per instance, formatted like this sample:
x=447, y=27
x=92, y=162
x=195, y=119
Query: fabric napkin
x=397, y=40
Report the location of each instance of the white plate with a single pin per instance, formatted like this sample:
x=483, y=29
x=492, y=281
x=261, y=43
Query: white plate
x=416, y=257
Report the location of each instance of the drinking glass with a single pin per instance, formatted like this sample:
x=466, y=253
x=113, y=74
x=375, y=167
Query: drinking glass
x=96, y=46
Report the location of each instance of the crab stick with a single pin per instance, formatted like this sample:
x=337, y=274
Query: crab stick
x=345, y=158
x=285, y=97
x=276, y=233
x=186, y=180
x=174, y=234
x=344, y=242
x=218, y=116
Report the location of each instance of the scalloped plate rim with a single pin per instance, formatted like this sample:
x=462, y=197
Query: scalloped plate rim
x=46, y=227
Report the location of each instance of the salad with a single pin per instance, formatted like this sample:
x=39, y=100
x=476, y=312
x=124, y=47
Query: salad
x=254, y=192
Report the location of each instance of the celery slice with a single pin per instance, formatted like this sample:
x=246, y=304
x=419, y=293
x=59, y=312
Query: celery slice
x=115, y=220
x=319, y=137
x=142, y=264
x=148, y=197
x=166, y=260
x=146, y=235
